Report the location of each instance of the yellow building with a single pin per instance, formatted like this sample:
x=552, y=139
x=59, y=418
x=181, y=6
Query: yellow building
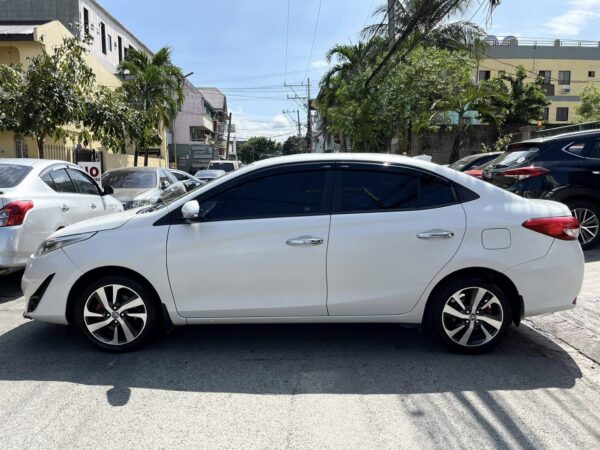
x=20, y=41
x=566, y=66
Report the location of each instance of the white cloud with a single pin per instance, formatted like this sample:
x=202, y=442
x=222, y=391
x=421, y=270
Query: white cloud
x=320, y=64
x=579, y=13
x=278, y=127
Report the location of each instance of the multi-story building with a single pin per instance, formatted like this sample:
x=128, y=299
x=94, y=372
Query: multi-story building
x=566, y=66
x=216, y=108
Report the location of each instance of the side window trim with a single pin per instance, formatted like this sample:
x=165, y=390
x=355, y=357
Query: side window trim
x=364, y=165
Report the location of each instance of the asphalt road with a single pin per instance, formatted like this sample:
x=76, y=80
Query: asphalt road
x=293, y=386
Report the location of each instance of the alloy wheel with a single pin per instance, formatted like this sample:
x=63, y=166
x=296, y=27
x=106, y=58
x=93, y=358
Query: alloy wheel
x=115, y=314
x=472, y=317
x=589, y=223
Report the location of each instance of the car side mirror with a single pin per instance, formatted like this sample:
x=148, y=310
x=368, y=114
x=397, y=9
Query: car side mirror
x=108, y=190
x=164, y=185
x=191, y=211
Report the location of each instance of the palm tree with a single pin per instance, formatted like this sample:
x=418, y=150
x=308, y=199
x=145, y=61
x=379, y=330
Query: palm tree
x=154, y=86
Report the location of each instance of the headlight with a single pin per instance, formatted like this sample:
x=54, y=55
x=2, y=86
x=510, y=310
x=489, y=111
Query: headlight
x=142, y=202
x=49, y=245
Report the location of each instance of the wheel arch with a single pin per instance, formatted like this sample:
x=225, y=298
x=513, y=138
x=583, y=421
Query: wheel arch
x=113, y=271
x=491, y=275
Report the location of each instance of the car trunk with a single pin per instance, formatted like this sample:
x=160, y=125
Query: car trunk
x=504, y=171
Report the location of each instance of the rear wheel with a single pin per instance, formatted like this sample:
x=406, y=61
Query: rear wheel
x=470, y=315
x=116, y=313
x=588, y=214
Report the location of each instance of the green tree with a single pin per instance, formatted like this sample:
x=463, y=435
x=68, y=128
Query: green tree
x=48, y=96
x=589, y=109
x=523, y=102
x=153, y=85
x=294, y=145
x=257, y=148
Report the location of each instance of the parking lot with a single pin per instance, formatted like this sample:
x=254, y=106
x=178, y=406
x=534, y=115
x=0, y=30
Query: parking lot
x=326, y=386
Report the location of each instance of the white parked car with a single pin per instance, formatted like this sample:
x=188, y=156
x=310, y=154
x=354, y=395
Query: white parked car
x=39, y=197
x=226, y=165
x=315, y=238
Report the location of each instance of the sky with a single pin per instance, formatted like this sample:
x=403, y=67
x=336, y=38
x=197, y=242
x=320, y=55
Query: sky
x=249, y=48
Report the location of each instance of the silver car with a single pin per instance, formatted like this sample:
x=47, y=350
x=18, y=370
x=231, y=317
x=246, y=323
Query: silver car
x=135, y=187
x=39, y=197
x=209, y=175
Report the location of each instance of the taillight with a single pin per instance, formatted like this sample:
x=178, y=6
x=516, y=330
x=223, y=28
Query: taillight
x=477, y=173
x=14, y=213
x=564, y=228
x=522, y=173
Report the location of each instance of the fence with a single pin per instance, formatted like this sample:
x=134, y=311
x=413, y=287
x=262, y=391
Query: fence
x=568, y=129
x=59, y=152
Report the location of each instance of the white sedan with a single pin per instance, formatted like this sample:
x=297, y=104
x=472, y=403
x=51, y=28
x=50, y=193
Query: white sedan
x=315, y=238
x=39, y=197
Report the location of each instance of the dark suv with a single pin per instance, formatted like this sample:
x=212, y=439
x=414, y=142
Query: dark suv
x=565, y=168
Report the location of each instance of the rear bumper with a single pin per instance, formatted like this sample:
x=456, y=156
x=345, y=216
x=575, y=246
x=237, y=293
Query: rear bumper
x=14, y=249
x=551, y=283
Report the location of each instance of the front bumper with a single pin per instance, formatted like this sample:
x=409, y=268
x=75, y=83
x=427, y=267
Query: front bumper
x=52, y=306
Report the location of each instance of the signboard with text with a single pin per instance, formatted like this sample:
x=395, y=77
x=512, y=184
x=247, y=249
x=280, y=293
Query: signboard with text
x=93, y=169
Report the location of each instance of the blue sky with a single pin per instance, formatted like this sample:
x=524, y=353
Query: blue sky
x=239, y=46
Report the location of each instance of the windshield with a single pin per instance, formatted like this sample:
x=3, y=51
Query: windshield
x=226, y=166
x=514, y=156
x=210, y=173
x=12, y=174
x=133, y=179
x=458, y=165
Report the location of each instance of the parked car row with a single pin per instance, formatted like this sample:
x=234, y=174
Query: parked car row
x=564, y=168
x=39, y=197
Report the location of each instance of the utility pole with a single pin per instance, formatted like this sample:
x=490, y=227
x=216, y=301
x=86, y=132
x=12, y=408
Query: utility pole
x=391, y=23
x=299, y=129
x=309, y=120
x=298, y=123
x=228, y=137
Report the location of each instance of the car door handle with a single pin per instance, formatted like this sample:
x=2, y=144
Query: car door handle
x=596, y=172
x=304, y=240
x=94, y=206
x=436, y=234
x=65, y=208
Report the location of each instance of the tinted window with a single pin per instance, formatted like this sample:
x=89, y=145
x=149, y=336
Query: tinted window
x=83, y=184
x=576, y=148
x=62, y=181
x=226, y=166
x=594, y=150
x=130, y=179
x=47, y=178
x=380, y=190
x=12, y=174
x=515, y=155
x=165, y=178
x=179, y=176
x=289, y=194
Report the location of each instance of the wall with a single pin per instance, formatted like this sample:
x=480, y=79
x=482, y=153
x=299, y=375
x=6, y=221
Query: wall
x=118, y=161
x=36, y=10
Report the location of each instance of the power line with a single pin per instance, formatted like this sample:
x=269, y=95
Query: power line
x=312, y=47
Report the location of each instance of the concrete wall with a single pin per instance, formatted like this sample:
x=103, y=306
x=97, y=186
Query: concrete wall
x=65, y=11
x=118, y=161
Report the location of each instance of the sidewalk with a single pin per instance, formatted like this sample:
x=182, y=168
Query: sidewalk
x=579, y=327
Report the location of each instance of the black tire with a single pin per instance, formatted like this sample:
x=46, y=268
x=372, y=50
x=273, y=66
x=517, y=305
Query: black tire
x=443, y=322
x=592, y=222
x=139, y=331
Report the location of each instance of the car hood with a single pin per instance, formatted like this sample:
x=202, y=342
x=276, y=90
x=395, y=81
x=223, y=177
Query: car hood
x=108, y=222
x=125, y=195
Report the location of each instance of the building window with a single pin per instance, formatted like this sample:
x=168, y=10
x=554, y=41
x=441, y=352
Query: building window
x=546, y=75
x=110, y=43
x=103, y=35
x=21, y=149
x=546, y=114
x=564, y=77
x=196, y=134
x=485, y=75
x=120, y=45
x=562, y=114
x=86, y=22
x=591, y=74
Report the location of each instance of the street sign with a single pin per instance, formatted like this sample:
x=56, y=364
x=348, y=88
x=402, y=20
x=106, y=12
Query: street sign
x=93, y=169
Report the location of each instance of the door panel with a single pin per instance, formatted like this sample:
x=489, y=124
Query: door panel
x=246, y=268
x=376, y=264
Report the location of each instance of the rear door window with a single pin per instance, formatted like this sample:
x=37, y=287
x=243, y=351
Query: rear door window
x=576, y=148
x=11, y=175
x=63, y=182
x=593, y=150
x=83, y=184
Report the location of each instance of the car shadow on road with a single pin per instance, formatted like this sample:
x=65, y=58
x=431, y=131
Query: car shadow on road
x=10, y=287
x=592, y=255
x=285, y=359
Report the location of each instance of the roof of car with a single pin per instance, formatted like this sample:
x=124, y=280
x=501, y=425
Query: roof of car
x=32, y=162
x=558, y=137
x=137, y=169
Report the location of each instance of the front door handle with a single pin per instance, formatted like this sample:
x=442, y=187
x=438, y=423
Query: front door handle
x=596, y=172
x=436, y=234
x=304, y=240
x=94, y=206
x=65, y=208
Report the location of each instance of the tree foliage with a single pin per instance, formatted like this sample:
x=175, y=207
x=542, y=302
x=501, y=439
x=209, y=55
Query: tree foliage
x=589, y=110
x=294, y=145
x=257, y=148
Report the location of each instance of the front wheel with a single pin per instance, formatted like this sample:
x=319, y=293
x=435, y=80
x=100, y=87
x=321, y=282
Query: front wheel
x=588, y=214
x=116, y=313
x=470, y=315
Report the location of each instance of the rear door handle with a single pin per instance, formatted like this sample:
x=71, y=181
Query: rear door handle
x=94, y=206
x=596, y=172
x=65, y=208
x=304, y=240
x=436, y=234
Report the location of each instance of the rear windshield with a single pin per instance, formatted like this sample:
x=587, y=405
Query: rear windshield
x=12, y=174
x=458, y=165
x=134, y=179
x=514, y=156
x=226, y=166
